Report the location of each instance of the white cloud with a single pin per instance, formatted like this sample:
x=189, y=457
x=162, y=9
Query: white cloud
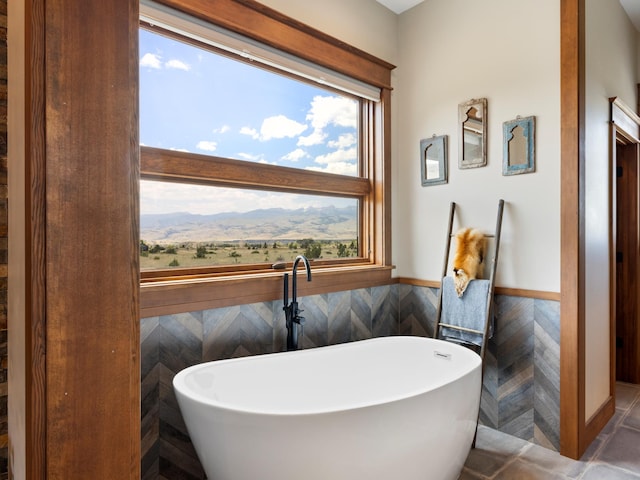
x=250, y=157
x=252, y=132
x=222, y=129
x=179, y=149
x=343, y=162
x=316, y=137
x=342, y=168
x=338, y=156
x=338, y=111
x=280, y=127
x=165, y=197
x=178, y=65
x=296, y=155
x=154, y=60
x=343, y=141
x=151, y=60
x=259, y=158
x=207, y=145
x=325, y=111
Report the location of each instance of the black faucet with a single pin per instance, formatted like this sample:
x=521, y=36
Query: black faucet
x=291, y=310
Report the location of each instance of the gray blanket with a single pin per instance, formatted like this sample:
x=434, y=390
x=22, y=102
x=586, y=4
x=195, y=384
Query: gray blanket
x=469, y=311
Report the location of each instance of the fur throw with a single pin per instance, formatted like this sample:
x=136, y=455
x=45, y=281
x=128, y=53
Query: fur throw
x=468, y=262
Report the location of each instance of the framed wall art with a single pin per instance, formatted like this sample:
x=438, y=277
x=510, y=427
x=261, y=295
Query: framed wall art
x=519, y=146
x=433, y=160
x=472, y=134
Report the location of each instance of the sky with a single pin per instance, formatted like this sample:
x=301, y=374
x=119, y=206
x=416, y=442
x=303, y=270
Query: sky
x=196, y=101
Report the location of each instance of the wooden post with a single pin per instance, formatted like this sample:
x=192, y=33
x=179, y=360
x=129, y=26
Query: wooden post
x=74, y=245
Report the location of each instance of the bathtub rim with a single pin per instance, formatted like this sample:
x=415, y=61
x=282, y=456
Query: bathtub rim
x=181, y=389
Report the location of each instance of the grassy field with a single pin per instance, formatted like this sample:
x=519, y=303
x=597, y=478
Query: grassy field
x=202, y=255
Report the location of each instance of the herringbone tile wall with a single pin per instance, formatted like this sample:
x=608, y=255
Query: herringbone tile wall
x=521, y=382
x=173, y=342
x=521, y=387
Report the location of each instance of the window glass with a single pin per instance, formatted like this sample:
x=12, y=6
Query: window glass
x=251, y=200
x=198, y=101
x=183, y=225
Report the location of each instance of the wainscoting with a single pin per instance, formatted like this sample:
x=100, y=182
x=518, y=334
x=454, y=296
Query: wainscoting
x=173, y=342
x=521, y=385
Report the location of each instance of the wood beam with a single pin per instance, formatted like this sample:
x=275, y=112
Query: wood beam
x=76, y=243
x=572, y=262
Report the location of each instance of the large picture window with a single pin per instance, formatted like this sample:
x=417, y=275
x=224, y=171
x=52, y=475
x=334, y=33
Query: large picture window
x=195, y=100
x=254, y=149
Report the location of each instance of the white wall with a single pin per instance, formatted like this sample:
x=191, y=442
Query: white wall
x=451, y=51
x=364, y=24
x=611, y=70
x=447, y=52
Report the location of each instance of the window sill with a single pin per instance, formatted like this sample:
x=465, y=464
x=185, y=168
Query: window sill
x=189, y=295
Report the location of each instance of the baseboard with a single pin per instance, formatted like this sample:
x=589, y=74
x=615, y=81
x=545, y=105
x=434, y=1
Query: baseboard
x=597, y=422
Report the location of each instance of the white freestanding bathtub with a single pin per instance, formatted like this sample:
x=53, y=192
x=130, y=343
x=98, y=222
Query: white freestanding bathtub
x=387, y=408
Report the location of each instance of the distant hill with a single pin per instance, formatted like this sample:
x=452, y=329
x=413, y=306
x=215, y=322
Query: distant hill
x=264, y=225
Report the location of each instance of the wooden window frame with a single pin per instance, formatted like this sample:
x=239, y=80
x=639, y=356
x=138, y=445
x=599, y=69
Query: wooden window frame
x=180, y=290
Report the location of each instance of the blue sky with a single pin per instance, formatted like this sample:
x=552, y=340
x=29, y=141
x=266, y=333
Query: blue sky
x=193, y=100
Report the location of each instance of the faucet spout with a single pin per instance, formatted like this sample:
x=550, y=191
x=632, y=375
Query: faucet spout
x=294, y=273
x=291, y=310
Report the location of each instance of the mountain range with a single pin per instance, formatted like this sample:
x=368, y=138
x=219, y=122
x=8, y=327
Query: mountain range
x=271, y=224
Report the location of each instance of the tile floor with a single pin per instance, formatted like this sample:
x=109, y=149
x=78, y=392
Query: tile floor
x=614, y=455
